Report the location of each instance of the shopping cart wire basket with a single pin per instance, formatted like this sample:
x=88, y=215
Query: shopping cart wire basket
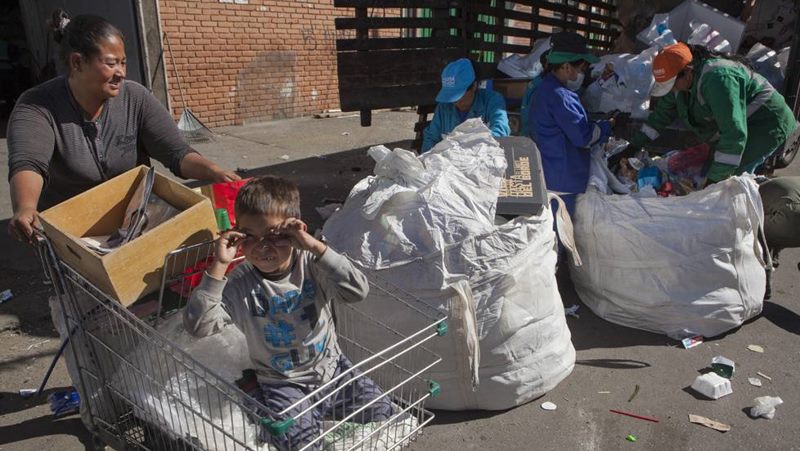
x=142, y=390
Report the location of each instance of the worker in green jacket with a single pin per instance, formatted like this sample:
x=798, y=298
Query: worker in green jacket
x=724, y=102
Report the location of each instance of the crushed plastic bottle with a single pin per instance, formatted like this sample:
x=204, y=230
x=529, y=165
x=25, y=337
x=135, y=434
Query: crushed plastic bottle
x=765, y=406
x=64, y=402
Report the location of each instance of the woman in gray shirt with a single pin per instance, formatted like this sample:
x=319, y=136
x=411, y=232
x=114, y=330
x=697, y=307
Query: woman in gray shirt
x=76, y=131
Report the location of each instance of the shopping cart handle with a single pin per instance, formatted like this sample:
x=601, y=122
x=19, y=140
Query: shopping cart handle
x=277, y=427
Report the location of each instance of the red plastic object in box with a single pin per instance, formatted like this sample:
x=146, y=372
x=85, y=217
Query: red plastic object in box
x=224, y=195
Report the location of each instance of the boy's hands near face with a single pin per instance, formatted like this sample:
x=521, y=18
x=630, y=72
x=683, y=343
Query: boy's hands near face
x=297, y=230
x=225, y=248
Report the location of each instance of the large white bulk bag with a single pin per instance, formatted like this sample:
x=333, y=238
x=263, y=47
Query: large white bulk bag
x=425, y=224
x=680, y=266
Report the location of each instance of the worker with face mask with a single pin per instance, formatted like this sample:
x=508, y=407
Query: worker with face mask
x=558, y=122
x=460, y=99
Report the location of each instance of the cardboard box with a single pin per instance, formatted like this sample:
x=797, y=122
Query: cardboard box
x=134, y=269
x=511, y=88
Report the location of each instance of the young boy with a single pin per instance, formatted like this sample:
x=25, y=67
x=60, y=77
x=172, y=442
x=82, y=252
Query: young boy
x=280, y=298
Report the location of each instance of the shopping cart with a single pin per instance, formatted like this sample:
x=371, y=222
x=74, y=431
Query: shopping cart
x=141, y=390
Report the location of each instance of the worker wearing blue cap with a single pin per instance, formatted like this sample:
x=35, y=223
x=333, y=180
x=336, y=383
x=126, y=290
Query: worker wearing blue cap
x=558, y=122
x=459, y=100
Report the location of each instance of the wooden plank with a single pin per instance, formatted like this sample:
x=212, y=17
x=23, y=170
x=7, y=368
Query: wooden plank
x=500, y=47
x=561, y=8
x=513, y=31
x=349, y=23
x=545, y=21
x=344, y=45
x=359, y=98
x=397, y=3
x=393, y=67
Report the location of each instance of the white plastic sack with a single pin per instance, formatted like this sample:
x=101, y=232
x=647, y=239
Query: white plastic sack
x=658, y=33
x=680, y=266
x=508, y=341
x=685, y=19
x=769, y=63
x=528, y=66
x=627, y=89
x=708, y=37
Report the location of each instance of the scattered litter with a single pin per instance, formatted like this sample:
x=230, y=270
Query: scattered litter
x=345, y=133
x=284, y=157
x=709, y=423
x=244, y=157
x=692, y=341
x=712, y=385
x=630, y=438
x=723, y=366
x=549, y=406
x=763, y=375
x=754, y=381
x=633, y=415
x=604, y=392
x=5, y=296
x=27, y=392
x=64, y=402
x=755, y=348
x=572, y=311
x=765, y=406
x=635, y=392
x=37, y=344
x=327, y=210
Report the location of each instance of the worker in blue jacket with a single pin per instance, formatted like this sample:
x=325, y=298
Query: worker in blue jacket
x=527, y=98
x=459, y=100
x=558, y=122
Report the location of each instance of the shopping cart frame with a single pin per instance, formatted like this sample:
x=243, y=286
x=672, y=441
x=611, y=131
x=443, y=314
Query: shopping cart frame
x=133, y=427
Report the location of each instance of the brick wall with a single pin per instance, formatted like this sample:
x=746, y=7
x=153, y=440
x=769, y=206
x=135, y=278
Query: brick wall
x=260, y=61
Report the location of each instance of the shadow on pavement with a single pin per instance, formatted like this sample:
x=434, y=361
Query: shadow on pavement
x=460, y=416
x=322, y=179
x=13, y=402
x=43, y=427
x=782, y=317
x=616, y=364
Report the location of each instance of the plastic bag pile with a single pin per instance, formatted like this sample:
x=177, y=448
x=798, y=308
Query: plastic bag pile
x=426, y=224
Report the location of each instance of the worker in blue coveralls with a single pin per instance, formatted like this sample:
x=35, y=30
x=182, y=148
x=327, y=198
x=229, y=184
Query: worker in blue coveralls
x=558, y=122
x=459, y=100
x=527, y=98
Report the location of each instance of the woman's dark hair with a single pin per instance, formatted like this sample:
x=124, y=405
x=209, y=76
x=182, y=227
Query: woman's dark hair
x=81, y=34
x=700, y=53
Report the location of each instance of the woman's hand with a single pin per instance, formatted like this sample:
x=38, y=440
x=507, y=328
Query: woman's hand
x=23, y=223
x=195, y=166
x=222, y=175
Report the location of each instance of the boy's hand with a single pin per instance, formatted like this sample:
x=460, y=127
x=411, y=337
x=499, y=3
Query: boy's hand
x=297, y=230
x=225, y=248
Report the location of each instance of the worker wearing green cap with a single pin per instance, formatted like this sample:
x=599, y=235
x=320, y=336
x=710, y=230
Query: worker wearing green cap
x=558, y=122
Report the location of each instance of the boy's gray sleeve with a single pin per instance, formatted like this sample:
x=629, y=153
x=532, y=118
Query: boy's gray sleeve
x=340, y=277
x=205, y=314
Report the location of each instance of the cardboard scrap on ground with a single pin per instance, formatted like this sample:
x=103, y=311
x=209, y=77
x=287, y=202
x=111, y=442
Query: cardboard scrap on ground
x=709, y=423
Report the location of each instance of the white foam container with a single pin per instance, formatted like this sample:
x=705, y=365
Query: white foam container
x=712, y=385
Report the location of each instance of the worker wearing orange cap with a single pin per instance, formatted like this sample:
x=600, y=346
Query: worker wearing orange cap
x=724, y=102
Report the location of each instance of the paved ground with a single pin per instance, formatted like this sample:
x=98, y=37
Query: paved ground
x=327, y=156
